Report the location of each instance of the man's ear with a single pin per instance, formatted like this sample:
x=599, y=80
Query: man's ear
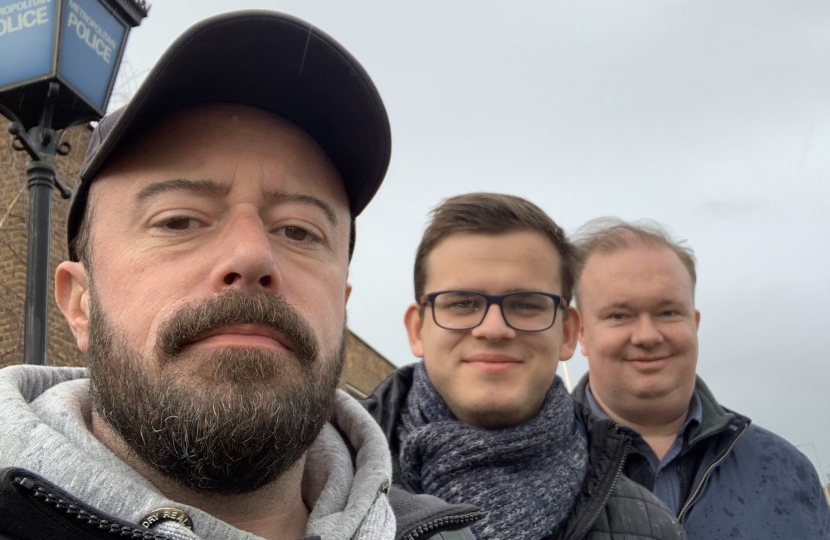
x=72, y=296
x=348, y=292
x=414, y=323
x=571, y=330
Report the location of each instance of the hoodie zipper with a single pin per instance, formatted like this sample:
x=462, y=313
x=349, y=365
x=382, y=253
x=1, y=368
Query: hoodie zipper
x=459, y=519
x=709, y=469
x=93, y=520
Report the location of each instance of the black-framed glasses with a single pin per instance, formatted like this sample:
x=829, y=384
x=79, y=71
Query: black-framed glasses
x=527, y=311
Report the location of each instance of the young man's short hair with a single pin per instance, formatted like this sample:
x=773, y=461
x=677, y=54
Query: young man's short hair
x=493, y=214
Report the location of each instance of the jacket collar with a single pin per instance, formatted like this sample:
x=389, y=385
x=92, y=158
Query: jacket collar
x=715, y=417
x=423, y=516
x=385, y=405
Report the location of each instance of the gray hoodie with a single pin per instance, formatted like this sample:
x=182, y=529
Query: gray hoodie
x=46, y=418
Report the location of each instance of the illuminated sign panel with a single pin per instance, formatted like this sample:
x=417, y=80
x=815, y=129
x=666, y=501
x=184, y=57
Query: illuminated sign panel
x=91, y=40
x=26, y=39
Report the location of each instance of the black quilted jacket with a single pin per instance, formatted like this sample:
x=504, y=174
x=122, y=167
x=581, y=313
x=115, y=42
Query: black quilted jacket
x=609, y=506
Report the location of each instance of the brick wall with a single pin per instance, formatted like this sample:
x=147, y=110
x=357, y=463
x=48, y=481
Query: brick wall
x=14, y=212
x=364, y=369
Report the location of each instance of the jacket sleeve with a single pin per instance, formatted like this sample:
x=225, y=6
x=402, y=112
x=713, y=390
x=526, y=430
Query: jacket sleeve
x=635, y=512
x=765, y=488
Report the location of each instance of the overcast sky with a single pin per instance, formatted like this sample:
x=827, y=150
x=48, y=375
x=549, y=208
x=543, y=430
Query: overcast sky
x=712, y=117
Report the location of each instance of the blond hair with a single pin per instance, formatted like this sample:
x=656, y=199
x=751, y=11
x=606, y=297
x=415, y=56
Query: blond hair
x=610, y=234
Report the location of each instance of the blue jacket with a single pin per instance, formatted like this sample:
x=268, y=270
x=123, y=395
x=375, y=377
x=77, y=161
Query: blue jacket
x=739, y=480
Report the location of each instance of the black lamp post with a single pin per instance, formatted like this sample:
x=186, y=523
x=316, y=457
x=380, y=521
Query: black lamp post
x=58, y=61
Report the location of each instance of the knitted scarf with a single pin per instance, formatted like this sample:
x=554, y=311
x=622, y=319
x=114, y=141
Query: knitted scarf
x=526, y=477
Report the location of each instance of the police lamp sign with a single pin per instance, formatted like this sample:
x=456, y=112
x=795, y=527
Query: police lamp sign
x=26, y=39
x=91, y=40
x=77, y=42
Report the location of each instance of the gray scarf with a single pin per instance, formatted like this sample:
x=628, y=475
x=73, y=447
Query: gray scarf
x=527, y=477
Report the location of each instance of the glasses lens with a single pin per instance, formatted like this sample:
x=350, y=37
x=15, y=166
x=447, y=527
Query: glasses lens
x=458, y=310
x=529, y=311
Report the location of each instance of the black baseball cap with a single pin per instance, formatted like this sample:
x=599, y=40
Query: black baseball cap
x=263, y=59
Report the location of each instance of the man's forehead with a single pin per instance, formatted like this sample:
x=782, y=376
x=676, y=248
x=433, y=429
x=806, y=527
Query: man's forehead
x=524, y=246
x=610, y=270
x=189, y=139
x=638, y=258
x=478, y=240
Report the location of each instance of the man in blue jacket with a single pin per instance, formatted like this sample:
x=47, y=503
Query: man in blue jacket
x=723, y=476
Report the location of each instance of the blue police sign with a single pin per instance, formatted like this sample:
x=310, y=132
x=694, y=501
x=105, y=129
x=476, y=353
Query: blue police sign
x=27, y=39
x=91, y=42
x=75, y=43
x=58, y=60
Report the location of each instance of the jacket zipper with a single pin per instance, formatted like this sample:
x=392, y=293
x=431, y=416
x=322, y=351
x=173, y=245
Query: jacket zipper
x=709, y=469
x=585, y=528
x=686, y=497
x=653, y=474
x=462, y=519
x=91, y=519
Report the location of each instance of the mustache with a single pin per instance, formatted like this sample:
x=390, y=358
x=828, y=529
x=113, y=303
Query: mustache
x=191, y=321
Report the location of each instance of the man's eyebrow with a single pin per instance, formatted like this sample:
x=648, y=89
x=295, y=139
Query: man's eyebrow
x=628, y=305
x=208, y=187
x=617, y=305
x=277, y=197
x=211, y=187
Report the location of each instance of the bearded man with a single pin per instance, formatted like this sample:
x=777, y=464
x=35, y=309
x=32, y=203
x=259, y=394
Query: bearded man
x=210, y=236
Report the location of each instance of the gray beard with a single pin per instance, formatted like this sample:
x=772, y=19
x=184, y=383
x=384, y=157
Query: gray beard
x=225, y=422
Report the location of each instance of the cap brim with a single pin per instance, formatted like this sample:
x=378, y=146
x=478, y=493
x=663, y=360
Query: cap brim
x=271, y=61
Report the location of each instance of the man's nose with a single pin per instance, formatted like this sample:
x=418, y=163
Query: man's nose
x=493, y=327
x=246, y=255
x=646, y=333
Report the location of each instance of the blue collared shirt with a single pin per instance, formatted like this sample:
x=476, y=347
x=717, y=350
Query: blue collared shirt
x=666, y=477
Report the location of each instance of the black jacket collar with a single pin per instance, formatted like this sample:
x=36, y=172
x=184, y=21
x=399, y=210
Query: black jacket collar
x=607, y=447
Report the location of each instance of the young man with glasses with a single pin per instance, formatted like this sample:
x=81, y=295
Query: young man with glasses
x=483, y=419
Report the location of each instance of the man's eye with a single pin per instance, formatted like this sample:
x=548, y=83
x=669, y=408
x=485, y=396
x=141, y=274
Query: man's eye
x=179, y=223
x=298, y=234
x=525, y=306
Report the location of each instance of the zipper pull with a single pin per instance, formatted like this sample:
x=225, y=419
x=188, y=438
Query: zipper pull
x=24, y=482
